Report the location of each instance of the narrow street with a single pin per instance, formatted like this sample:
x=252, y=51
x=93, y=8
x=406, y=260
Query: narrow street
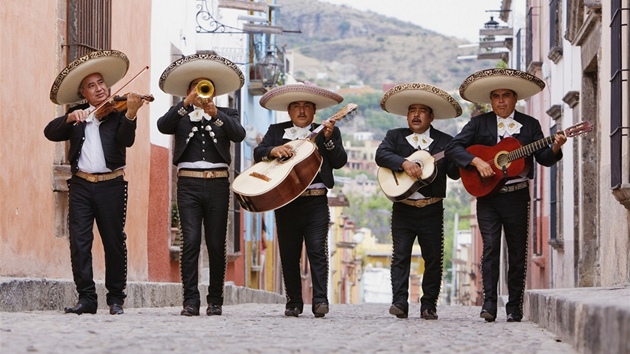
x=262, y=328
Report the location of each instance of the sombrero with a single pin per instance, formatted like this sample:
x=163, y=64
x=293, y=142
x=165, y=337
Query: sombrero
x=478, y=86
x=398, y=99
x=111, y=64
x=278, y=98
x=225, y=75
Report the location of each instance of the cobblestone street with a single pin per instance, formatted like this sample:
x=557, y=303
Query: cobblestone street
x=263, y=328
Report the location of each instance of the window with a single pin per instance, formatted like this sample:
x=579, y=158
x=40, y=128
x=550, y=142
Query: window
x=618, y=131
x=529, y=38
x=555, y=26
x=89, y=26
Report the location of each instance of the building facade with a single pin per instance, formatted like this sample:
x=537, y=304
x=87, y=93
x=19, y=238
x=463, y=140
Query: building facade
x=33, y=223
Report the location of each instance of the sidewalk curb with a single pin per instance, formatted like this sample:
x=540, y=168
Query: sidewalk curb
x=30, y=294
x=592, y=320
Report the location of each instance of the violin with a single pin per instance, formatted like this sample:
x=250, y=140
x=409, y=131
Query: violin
x=117, y=104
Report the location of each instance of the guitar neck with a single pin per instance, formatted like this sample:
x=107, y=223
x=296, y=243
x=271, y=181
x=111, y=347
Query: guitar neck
x=530, y=148
x=315, y=133
x=342, y=113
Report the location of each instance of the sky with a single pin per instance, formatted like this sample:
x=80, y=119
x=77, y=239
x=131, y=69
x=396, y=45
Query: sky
x=457, y=18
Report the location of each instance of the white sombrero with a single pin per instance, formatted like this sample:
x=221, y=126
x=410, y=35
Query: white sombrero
x=111, y=64
x=225, y=75
x=278, y=98
x=398, y=99
x=478, y=86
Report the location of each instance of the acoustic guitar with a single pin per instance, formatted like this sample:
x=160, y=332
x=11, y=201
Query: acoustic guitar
x=507, y=159
x=269, y=185
x=398, y=185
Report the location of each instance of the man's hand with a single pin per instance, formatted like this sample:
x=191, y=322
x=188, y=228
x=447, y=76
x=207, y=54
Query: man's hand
x=482, y=167
x=412, y=169
x=282, y=151
x=328, y=128
x=210, y=109
x=77, y=116
x=558, y=140
x=134, y=102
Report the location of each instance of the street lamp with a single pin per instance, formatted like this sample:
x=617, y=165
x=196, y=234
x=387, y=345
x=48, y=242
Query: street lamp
x=492, y=23
x=269, y=69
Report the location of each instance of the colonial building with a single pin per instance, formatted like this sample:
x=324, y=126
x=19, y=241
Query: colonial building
x=579, y=235
x=33, y=223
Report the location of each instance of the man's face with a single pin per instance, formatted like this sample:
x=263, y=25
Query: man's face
x=419, y=118
x=94, y=89
x=302, y=113
x=503, y=102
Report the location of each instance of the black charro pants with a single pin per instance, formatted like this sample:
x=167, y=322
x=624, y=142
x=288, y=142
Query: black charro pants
x=427, y=224
x=304, y=220
x=105, y=202
x=509, y=211
x=203, y=201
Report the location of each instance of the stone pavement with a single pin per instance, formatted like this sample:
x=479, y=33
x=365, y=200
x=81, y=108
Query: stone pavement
x=263, y=328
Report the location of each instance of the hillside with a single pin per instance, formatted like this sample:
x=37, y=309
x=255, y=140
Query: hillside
x=339, y=46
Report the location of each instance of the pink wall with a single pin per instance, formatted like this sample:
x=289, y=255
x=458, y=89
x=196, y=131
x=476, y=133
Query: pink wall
x=28, y=245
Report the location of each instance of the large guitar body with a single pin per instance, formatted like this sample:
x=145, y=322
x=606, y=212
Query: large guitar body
x=270, y=185
x=398, y=185
x=504, y=169
x=508, y=160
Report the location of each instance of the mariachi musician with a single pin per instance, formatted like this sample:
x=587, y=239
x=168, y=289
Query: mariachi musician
x=99, y=136
x=421, y=214
x=509, y=208
x=203, y=136
x=306, y=218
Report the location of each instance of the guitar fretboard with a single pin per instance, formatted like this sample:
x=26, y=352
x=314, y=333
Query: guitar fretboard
x=530, y=148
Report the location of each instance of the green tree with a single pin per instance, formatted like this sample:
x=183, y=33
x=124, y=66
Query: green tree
x=373, y=212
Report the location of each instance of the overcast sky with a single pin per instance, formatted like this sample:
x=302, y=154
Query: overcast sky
x=457, y=18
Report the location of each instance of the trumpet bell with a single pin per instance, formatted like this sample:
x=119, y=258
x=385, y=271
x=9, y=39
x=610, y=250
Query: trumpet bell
x=205, y=90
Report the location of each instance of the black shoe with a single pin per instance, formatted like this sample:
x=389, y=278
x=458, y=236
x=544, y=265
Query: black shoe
x=81, y=308
x=214, y=310
x=429, y=314
x=320, y=310
x=514, y=317
x=487, y=315
x=398, y=311
x=292, y=312
x=190, y=310
x=116, y=309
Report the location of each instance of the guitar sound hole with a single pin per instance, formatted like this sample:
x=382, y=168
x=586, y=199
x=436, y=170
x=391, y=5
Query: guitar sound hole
x=502, y=160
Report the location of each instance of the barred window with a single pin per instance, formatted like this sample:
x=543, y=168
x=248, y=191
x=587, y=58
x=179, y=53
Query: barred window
x=89, y=26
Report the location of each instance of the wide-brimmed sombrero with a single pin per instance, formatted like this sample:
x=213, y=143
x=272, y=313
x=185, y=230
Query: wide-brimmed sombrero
x=225, y=75
x=111, y=64
x=398, y=99
x=278, y=98
x=478, y=86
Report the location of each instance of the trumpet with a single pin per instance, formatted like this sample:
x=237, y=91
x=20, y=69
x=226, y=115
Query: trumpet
x=205, y=90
